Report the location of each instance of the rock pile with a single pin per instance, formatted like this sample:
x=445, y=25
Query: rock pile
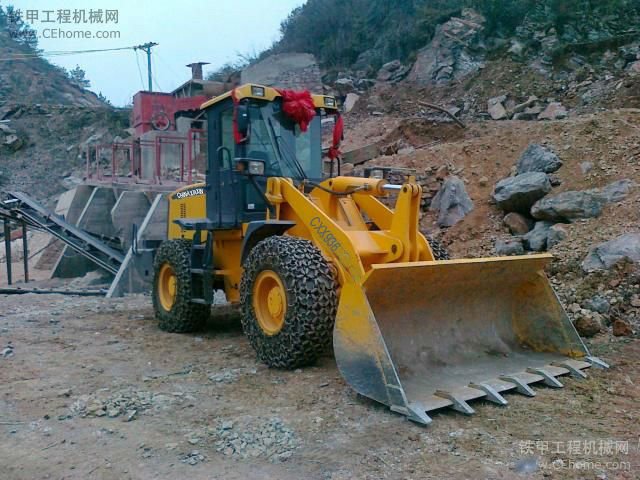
x=533, y=216
x=270, y=439
x=126, y=403
x=504, y=108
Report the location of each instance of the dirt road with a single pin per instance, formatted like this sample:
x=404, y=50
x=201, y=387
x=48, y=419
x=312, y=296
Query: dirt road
x=90, y=388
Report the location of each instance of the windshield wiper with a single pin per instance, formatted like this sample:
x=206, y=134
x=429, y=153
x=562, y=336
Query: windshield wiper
x=291, y=160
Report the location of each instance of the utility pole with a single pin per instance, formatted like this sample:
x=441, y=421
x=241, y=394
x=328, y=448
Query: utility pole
x=147, y=49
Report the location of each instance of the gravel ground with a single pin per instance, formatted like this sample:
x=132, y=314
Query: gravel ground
x=90, y=388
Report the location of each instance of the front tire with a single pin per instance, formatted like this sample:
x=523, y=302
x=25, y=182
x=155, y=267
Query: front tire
x=289, y=301
x=172, y=289
x=439, y=251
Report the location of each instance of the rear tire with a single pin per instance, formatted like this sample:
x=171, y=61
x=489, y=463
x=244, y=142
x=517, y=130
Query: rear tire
x=172, y=304
x=439, y=250
x=298, y=331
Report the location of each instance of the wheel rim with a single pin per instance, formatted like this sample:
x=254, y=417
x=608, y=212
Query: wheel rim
x=269, y=302
x=167, y=286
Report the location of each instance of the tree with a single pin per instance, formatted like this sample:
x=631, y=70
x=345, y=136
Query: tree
x=11, y=21
x=77, y=75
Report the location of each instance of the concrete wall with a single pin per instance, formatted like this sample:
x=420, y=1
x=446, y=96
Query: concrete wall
x=287, y=70
x=95, y=219
x=70, y=205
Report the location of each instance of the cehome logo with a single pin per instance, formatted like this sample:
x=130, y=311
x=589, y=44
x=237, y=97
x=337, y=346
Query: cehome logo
x=193, y=192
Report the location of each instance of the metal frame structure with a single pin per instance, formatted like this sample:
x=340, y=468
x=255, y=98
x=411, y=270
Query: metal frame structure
x=157, y=180
x=22, y=208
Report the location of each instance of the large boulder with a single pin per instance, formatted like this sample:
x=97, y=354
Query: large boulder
x=537, y=158
x=616, y=191
x=517, y=223
x=454, y=51
x=606, y=255
x=519, y=193
x=452, y=202
x=536, y=239
x=567, y=206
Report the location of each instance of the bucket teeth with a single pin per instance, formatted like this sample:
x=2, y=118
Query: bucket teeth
x=596, y=362
x=521, y=387
x=414, y=411
x=459, y=404
x=575, y=372
x=492, y=393
x=549, y=379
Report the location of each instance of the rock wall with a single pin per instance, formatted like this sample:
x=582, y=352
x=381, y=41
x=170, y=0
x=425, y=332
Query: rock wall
x=456, y=51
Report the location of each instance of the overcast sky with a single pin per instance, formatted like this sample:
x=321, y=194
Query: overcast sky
x=186, y=31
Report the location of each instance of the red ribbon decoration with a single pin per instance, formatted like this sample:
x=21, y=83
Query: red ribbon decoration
x=298, y=106
x=338, y=132
x=237, y=136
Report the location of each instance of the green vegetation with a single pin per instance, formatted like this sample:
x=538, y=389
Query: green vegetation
x=337, y=32
x=19, y=31
x=78, y=76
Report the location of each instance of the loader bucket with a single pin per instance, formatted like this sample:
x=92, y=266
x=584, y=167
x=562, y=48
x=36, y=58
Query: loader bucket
x=428, y=335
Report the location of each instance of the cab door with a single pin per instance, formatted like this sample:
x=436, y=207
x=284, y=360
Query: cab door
x=222, y=195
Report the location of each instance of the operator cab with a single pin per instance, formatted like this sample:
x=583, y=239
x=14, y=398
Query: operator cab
x=252, y=138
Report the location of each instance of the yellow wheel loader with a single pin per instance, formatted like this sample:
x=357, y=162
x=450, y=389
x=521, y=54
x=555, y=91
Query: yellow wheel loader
x=318, y=259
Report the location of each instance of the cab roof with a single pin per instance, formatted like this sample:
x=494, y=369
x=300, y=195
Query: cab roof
x=261, y=92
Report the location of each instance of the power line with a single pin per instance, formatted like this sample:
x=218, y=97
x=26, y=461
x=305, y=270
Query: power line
x=60, y=53
x=139, y=69
x=155, y=79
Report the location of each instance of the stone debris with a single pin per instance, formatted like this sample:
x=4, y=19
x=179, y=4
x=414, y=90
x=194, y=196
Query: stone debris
x=519, y=193
x=393, y=72
x=193, y=458
x=350, y=101
x=496, y=108
x=598, y=304
x=608, y=254
x=537, y=158
x=556, y=234
x=614, y=192
x=554, y=111
x=230, y=375
x=509, y=247
x=536, y=239
x=7, y=351
x=255, y=438
x=126, y=403
x=589, y=323
x=452, y=202
x=621, y=328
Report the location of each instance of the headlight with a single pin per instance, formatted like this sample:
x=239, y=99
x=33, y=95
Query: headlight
x=257, y=91
x=377, y=173
x=256, y=168
x=330, y=102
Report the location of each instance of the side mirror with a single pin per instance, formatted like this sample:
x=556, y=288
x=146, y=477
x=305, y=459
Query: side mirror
x=250, y=167
x=242, y=120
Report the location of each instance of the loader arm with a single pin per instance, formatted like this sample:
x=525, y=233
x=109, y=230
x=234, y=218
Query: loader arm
x=335, y=222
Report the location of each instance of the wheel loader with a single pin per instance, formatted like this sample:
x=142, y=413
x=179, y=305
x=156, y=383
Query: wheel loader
x=317, y=259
